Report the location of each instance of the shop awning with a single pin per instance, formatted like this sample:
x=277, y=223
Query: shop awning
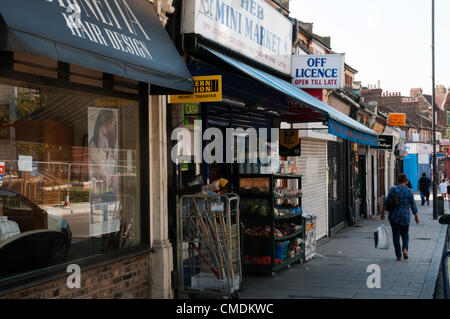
x=306, y=106
x=123, y=38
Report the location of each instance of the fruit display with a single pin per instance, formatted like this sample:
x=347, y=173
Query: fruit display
x=266, y=260
x=285, y=229
x=257, y=231
x=287, y=210
x=254, y=191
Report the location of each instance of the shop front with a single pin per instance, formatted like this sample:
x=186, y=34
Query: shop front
x=256, y=96
x=79, y=215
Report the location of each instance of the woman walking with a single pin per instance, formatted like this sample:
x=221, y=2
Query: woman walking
x=400, y=217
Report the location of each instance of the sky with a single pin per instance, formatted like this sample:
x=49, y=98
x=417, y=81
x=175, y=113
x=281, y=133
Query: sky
x=385, y=40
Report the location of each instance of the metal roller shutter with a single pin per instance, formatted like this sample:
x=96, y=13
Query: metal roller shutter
x=313, y=166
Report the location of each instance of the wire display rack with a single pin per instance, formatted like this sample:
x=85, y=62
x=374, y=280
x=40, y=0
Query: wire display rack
x=209, y=253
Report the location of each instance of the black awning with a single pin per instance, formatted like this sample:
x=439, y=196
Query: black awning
x=120, y=37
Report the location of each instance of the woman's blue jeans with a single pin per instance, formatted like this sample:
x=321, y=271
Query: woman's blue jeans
x=397, y=232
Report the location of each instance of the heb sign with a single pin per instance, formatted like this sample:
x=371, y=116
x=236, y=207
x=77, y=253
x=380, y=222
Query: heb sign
x=397, y=119
x=206, y=89
x=252, y=28
x=324, y=71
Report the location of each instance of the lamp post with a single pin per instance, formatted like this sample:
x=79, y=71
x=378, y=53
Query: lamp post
x=435, y=171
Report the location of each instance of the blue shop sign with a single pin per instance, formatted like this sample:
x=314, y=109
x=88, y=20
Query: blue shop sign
x=351, y=135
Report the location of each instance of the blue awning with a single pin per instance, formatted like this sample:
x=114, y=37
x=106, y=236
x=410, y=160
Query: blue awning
x=123, y=38
x=338, y=124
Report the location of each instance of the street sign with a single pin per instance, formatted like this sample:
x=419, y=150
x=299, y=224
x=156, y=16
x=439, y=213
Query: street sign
x=206, y=89
x=397, y=119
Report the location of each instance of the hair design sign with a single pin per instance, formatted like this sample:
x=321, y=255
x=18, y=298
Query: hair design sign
x=318, y=71
x=250, y=27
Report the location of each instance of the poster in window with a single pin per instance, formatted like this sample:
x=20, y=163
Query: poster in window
x=290, y=143
x=104, y=197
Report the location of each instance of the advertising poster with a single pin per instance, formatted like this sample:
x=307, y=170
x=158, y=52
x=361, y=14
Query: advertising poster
x=104, y=197
x=2, y=172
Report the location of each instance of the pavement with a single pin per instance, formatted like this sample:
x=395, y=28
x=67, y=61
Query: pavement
x=340, y=268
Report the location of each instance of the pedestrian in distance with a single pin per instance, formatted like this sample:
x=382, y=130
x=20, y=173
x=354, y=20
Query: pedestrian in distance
x=424, y=188
x=443, y=188
x=400, y=216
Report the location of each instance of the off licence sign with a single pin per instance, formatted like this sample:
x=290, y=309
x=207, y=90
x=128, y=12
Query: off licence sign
x=397, y=119
x=206, y=89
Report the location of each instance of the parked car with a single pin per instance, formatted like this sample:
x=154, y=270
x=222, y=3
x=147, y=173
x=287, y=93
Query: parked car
x=42, y=239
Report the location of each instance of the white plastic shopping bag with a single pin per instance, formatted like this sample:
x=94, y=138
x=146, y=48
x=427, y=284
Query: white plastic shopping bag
x=381, y=236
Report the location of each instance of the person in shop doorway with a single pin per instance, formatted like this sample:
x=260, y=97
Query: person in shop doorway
x=443, y=188
x=400, y=217
x=424, y=188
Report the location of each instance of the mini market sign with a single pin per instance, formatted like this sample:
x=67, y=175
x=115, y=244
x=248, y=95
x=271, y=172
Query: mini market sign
x=252, y=28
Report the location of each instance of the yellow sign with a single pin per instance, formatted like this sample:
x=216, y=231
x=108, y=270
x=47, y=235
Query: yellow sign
x=206, y=89
x=289, y=143
x=397, y=119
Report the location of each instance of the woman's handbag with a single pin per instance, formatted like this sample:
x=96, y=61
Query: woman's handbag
x=393, y=202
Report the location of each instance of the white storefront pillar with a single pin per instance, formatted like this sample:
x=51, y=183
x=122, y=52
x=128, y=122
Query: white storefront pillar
x=161, y=262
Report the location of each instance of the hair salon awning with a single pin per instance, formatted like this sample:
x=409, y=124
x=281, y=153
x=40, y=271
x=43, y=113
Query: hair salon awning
x=122, y=37
x=303, y=107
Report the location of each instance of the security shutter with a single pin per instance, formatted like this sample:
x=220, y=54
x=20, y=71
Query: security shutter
x=313, y=166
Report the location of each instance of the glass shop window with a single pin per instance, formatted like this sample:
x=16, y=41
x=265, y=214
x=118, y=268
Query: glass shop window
x=69, y=176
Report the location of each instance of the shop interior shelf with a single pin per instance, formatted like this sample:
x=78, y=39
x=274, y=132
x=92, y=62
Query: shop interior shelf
x=287, y=217
x=287, y=176
x=255, y=244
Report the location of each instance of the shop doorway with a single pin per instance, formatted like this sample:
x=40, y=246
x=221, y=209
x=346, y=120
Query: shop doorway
x=336, y=186
x=360, y=187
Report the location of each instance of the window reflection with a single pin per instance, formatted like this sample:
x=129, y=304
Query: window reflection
x=69, y=176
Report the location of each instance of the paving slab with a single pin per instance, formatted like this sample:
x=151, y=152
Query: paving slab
x=340, y=268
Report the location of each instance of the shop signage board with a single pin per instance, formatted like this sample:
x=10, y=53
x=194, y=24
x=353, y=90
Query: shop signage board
x=385, y=142
x=252, y=28
x=325, y=71
x=290, y=143
x=445, y=142
x=206, y=89
x=124, y=38
x=397, y=119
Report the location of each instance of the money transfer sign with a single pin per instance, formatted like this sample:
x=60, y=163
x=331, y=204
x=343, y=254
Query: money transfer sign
x=206, y=89
x=324, y=71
